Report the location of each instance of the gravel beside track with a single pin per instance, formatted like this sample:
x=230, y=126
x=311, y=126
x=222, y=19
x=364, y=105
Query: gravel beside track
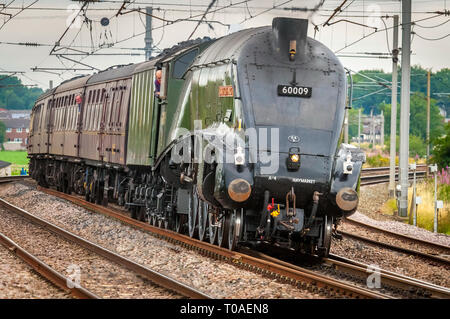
x=20, y=281
x=213, y=277
x=372, y=199
x=396, y=262
x=100, y=276
x=392, y=240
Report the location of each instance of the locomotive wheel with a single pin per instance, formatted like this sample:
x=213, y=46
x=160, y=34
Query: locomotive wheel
x=99, y=192
x=92, y=192
x=234, y=228
x=222, y=231
x=327, y=230
x=193, y=214
x=141, y=213
x=212, y=229
x=66, y=185
x=133, y=210
x=154, y=220
x=86, y=193
x=59, y=182
x=167, y=224
x=180, y=221
x=202, y=220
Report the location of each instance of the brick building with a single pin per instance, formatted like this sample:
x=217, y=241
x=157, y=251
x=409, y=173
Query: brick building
x=16, y=136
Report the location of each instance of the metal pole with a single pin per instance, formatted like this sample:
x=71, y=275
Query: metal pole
x=359, y=128
x=405, y=104
x=148, y=33
x=346, y=127
x=435, y=228
x=414, y=198
x=372, y=133
x=428, y=117
x=349, y=106
x=393, y=148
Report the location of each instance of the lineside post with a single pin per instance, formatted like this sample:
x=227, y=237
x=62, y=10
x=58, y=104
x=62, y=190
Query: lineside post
x=405, y=105
x=393, y=147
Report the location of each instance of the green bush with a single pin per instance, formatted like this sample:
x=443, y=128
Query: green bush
x=444, y=192
x=441, y=150
x=377, y=161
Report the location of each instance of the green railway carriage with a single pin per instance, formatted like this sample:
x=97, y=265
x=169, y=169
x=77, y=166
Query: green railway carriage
x=119, y=127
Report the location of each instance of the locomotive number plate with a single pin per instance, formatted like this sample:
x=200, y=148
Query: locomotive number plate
x=296, y=91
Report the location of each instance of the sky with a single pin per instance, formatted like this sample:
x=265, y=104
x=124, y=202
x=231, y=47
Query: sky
x=45, y=22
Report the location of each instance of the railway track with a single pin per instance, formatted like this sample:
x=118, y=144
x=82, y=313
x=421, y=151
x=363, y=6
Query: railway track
x=302, y=278
x=413, y=252
x=384, y=178
x=391, y=284
x=385, y=169
x=15, y=178
x=438, y=249
x=158, y=279
x=396, y=285
x=52, y=275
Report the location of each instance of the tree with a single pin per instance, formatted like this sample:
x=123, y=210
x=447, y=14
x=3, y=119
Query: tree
x=416, y=146
x=15, y=96
x=365, y=95
x=2, y=132
x=441, y=150
x=353, y=123
x=418, y=122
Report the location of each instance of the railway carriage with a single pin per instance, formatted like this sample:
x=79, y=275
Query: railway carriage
x=242, y=145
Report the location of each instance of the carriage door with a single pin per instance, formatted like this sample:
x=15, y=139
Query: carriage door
x=47, y=126
x=101, y=106
x=108, y=100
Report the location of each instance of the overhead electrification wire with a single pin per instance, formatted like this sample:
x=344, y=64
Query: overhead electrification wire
x=265, y=11
x=203, y=17
x=387, y=35
x=432, y=39
x=433, y=26
x=372, y=33
x=13, y=16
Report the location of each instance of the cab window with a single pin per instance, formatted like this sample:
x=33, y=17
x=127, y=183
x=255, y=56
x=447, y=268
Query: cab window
x=182, y=63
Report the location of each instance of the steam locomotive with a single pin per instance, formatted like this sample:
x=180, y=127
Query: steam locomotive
x=242, y=144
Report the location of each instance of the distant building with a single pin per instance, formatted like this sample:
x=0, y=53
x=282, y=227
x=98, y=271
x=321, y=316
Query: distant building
x=14, y=114
x=16, y=136
x=372, y=129
x=5, y=168
x=444, y=114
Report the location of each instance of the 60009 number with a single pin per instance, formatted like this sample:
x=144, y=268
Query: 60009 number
x=296, y=91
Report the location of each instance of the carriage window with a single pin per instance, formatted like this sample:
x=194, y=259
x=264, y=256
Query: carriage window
x=182, y=64
x=98, y=117
x=88, y=118
x=89, y=98
x=118, y=109
x=112, y=109
x=98, y=96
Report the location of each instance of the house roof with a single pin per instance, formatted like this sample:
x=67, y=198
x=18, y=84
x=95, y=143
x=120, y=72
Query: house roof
x=4, y=164
x=17, y=123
